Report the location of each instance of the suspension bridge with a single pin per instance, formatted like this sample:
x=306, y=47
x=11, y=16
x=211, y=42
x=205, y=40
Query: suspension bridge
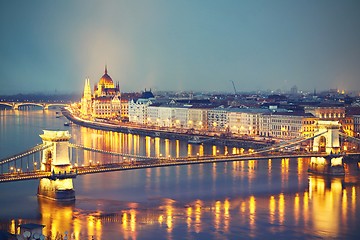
x=57, y=161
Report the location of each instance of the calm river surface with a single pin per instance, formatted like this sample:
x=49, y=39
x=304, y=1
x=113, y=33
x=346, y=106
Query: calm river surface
x=238, y=200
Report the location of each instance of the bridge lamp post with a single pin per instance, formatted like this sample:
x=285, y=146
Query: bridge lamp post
x=35, y=166
x=11, y=169
x=90, y=161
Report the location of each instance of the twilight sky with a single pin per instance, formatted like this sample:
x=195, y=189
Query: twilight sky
x=48, y=46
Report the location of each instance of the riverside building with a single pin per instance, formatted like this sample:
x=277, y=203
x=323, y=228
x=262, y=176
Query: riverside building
x=105, y=102
x=138, y=108
x=271, y=120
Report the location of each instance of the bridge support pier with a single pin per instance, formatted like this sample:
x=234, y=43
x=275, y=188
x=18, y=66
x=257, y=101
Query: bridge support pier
x=56, y=160
x=328, y=142
x=330, y=165
x=58, y=190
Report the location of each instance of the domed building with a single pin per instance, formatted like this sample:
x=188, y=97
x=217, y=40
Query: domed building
x=106, y=86
x=106, y=101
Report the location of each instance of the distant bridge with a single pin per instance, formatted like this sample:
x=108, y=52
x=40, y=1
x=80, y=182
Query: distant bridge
x=44, y=105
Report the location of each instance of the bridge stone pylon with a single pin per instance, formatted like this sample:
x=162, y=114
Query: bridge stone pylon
x=327, y=141
x=56, y=160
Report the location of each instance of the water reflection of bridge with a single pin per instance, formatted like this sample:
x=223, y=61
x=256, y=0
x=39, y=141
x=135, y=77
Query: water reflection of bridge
x=43, y=105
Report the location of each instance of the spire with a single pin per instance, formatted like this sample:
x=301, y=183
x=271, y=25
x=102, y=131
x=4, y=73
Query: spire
x=87, y=89
x=105, y=68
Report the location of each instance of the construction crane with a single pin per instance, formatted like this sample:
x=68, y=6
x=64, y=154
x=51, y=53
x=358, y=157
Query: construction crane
x=234, y=87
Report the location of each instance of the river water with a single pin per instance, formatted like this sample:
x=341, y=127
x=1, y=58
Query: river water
x=236, y=200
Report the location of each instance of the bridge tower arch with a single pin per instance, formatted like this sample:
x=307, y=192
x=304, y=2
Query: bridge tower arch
x=327, y=141
x=59, y=186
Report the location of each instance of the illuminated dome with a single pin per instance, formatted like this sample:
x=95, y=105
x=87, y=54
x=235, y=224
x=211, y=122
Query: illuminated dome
x=106, y=80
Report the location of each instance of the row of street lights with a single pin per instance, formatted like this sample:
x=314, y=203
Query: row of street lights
x=19, y=170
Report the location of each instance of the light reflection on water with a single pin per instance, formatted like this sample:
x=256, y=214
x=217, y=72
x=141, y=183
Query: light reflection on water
x=248, y=199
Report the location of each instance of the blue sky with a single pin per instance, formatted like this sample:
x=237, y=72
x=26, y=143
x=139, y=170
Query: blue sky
x=48, y=46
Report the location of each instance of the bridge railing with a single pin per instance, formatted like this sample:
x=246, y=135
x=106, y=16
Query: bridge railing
x=353, y=139
x=63, y=175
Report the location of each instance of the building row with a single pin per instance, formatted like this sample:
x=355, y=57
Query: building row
x=202, y=115
x=194, y=115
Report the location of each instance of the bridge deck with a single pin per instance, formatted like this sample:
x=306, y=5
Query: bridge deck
x=163, y=162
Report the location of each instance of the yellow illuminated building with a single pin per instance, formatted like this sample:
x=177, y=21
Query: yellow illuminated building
x=105, y=102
